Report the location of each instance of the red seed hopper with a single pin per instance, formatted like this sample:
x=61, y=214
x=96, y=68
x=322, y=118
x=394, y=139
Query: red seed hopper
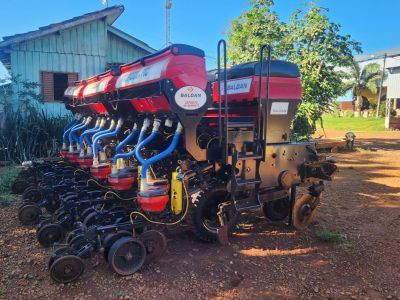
x=152, y=83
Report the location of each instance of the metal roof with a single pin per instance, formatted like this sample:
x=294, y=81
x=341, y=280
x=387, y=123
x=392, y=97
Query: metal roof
x=132, y=40
x=392, y=52
x=110, y=14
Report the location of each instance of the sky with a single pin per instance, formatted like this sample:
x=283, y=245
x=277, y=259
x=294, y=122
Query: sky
x=203, y=23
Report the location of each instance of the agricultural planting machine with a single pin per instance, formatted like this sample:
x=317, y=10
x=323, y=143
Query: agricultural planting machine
x=159, y=142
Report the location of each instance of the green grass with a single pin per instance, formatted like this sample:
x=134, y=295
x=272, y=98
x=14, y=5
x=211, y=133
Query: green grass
x=120, y=294
x=7, y=176
x=330, y=236
x=352, y=123
x=2, y=291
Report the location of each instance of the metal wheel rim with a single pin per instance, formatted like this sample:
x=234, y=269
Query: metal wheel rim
x=127, y=255
x=66, y=269
x=50, y=234
x=155, y=243
x=29, y=214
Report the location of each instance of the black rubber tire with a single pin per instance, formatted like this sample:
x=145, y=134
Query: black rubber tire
x=204, y=211
x=277, y=210
x=117, y=261
x=19, y=186
x=86, y=212
x=111, y=238
x=28, y=214
x=33, y=195
x=74, y=263
x=91, y=219
x=63, y=251
x=49, y=234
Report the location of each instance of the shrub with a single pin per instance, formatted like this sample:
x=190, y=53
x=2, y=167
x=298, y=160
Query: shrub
x=27, y=131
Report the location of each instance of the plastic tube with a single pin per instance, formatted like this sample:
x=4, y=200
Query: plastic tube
x=147, y=162
x=127, y=139
x=87, y=132
x=145, y=126
x=67, y=130
x=75, y=131
x=108, y=133
x=70, y=136
x=113, y=131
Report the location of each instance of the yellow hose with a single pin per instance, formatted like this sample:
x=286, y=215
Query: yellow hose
x=103, y=186
x=118, y=196
x=80, y=170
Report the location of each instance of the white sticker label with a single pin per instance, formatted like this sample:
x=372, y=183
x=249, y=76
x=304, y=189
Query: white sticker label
x=190, y=97
x=69, y=91
x=239, y=86
x=95, y=87
x=140, y=75
x=279, y=108
x=77, y=90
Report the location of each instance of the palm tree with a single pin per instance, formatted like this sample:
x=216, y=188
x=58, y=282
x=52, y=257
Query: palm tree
x=359, y=80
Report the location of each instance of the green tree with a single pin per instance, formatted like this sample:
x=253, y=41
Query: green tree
x=358, y=80
x=252, y=29
x=310, y=40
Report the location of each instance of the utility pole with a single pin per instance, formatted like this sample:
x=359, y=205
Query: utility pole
x=378, y=106
x=168, y=5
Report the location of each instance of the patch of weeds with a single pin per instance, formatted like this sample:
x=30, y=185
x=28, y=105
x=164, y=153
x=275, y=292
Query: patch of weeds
x=330, y=236
x=8, y=270
x=2, y=291
x=6, y=179
x=7, y=199
x=120, y=294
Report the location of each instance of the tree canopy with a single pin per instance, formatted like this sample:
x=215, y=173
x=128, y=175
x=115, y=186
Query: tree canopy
x=310, y=40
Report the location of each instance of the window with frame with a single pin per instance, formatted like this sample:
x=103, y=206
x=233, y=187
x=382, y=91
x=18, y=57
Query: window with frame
x=54, y=84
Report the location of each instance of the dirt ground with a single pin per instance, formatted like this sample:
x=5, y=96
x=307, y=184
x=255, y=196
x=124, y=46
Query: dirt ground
x=264, y=261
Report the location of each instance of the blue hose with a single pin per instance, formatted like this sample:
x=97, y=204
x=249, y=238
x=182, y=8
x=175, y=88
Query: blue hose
x=76, y=127
x=126, y=140
x=132, y=152
x=75, y=130
x=147, y=162
x=67, y=129
x=102, y=136
x=99, y=133
x=84, y=135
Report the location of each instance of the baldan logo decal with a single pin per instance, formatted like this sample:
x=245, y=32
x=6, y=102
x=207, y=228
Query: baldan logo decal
x=190, y=97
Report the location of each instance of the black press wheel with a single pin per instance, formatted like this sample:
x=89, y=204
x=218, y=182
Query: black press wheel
x=204, y=213
x=155, y=243
x=127, y=255
x=19, y=186
x=74, y=233
x=33, y=195
x=86, y=212
x=66, y=269
x=62, y=251
x=277, y=210
x=28, y=214
x=92, y=219
x=50, y=234
x=79, y=242
x=111, y=238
